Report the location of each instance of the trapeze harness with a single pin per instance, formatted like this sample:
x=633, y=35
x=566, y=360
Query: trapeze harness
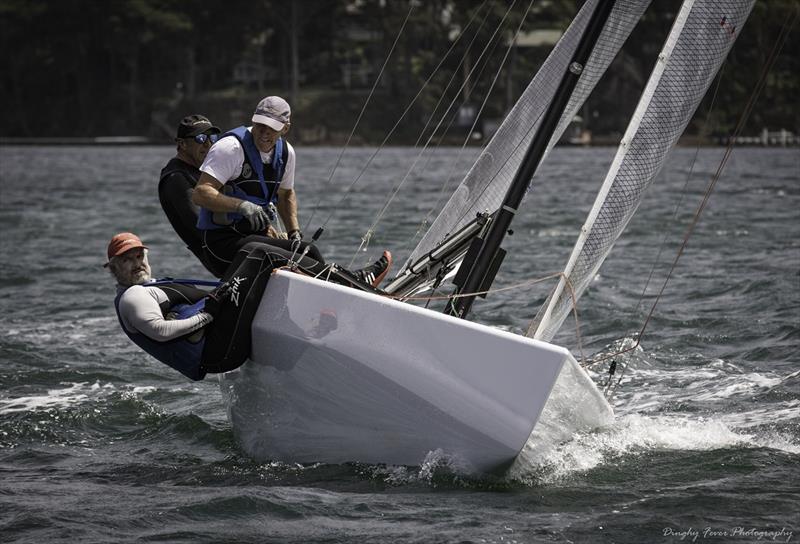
x=184, y=354
x=258, y=183
x=225, y=343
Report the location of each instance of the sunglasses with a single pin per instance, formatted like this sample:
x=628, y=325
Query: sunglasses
x=202, y=138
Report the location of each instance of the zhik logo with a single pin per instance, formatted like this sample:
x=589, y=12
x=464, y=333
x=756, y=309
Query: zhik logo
x=235, y=283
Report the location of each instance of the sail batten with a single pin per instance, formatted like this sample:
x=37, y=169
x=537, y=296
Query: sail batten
x=693, y=52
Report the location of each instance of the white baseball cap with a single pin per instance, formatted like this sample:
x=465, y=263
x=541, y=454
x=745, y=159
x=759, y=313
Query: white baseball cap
x=274, y=112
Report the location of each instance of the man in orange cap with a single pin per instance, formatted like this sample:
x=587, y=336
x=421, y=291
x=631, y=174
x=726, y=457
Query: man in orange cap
x=165, y=319
x=193, y=330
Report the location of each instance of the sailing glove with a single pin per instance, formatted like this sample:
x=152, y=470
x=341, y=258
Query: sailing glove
x=272, y=212
x=255, y=214
x=295, y=237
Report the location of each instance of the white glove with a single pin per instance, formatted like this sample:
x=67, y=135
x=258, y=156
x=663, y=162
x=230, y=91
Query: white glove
x=255, y=214
x=272, y=211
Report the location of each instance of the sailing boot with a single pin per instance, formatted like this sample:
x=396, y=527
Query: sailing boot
x=373, y=274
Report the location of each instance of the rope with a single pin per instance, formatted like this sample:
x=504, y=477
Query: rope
x=363, y=109
x=455, y=72
x=371, y=230
x=515, y=286
x=397, y=123
x=453, y=163
x=365, y=240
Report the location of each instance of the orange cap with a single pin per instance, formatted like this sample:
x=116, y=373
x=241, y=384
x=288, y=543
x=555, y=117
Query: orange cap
x=122, y=242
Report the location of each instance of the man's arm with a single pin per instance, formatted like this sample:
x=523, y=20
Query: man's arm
x=287, y=208
x=141, y=313
x=208, y=194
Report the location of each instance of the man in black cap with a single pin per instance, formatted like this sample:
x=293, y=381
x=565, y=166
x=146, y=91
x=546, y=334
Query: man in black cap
x=194, y=138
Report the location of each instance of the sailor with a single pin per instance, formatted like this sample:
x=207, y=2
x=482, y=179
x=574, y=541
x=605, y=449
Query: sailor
x=194, y=138
x=247, y=176
x=193, y=330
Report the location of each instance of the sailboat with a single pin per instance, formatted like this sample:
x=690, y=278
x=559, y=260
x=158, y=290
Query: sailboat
x=338, y=375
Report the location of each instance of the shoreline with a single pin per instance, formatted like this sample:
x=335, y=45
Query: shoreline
x=600, y=141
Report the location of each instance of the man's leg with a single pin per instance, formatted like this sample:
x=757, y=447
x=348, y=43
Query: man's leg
x=286, y=245
x=229, y=338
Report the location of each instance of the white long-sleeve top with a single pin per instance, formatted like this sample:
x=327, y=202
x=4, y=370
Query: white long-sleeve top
x=140, y=312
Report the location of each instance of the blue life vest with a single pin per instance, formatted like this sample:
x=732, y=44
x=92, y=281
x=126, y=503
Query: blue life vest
x=257, y=183
x=183, y=354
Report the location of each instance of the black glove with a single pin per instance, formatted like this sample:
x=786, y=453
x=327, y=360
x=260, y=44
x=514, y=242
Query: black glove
x=216, y=298
x=255, y=214
x=295, y=237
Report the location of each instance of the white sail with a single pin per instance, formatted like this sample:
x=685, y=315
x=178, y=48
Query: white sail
x=488, y=180
x=699, y=41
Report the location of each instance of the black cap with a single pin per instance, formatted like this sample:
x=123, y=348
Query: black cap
x=192, y=125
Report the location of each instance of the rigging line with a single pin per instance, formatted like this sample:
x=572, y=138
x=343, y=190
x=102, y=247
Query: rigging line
x=363, y=109
x=525, y=283
x=455, y=71
x=370, y=231
x=759, y=86
x=452, y=168
x=444, y=133
x=469, y=92
x=703, y=132
x=368, y=235
x=456, y=96
x=515, y=286
x=397, y=123
x=441, y=100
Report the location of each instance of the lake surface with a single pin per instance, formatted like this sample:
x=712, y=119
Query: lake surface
x=100, y=443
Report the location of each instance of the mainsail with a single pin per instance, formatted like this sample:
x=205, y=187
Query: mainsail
x=488, y=180
x=699, y=41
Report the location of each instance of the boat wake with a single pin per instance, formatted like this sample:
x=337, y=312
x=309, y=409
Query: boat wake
x=695, y=409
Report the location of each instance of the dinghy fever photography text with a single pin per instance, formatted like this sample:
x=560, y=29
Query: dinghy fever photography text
x=400, y=271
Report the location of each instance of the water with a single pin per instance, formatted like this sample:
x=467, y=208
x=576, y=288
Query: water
x=99, y=443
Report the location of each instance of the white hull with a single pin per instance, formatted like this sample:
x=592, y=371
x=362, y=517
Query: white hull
x=338, y=375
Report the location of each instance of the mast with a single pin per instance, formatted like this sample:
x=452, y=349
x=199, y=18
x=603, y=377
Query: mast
x=488, y=254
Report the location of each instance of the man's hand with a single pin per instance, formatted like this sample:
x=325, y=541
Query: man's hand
x=215, y=299
x=255, y=214
x=296, y=237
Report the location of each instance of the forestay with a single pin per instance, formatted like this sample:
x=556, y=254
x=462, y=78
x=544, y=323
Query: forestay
x=699, y=41
x=488, y=180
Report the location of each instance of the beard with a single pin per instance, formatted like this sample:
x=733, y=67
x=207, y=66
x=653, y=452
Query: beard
x=140, y=276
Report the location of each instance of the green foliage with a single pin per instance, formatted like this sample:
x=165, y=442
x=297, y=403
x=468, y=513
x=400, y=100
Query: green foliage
x=90, y=67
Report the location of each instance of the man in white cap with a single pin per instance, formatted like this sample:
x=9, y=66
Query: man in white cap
x=245, y=175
